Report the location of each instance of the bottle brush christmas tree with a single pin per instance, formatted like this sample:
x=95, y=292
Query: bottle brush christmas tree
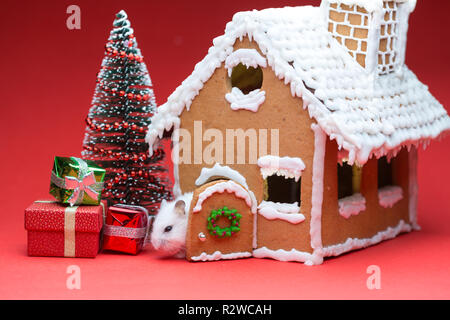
x=121, y=111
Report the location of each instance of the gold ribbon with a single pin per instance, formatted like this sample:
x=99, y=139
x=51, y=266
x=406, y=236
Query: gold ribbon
x=69, y=231
x=69, y=227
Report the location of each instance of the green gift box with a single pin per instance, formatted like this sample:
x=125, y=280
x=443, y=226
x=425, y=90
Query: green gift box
x=76, y=181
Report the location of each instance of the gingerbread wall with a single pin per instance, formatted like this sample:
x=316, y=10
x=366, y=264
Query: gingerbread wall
x=337, y=229
x=296, y=139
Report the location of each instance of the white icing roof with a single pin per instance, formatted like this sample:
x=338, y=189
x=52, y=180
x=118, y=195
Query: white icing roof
x=373, y=5
x=366, y=114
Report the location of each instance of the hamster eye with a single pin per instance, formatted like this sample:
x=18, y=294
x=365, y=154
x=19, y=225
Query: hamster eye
x=168, y=228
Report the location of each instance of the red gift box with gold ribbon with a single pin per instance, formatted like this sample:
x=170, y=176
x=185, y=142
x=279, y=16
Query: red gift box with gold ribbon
x=59, y=230
x=126, y=228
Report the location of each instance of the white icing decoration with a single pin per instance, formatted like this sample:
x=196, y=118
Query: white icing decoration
x=220, y=171
x=372, y=5
x=390, y=57
x=366, y=115
x=389, y=195
x=315, y=229
x=369, y=5
x=241, y=101
x=175, y=160
x=255, y=220
x=403, y=12
x=289, y=212
x=286, y=166
x=221, y=256
x=413, y=188
x=284, y=255
x=248, y=57
x=352, y=205
x=221, y=187
x=353, y=243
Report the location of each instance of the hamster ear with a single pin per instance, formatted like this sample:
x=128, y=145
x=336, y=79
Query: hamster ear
x=180, y=206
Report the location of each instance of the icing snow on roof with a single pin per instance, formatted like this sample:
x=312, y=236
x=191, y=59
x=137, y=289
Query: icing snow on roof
x=372, y=5
x=366, y=114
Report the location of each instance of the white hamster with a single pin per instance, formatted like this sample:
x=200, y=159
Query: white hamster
x=169, y=228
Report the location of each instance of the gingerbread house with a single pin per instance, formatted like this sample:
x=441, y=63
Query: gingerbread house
x=298, y=133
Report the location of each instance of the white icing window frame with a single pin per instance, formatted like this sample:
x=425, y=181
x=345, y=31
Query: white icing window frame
x=351, y=205
x=289, y=212
x=388, y=196
x=248, y=57
x=288, y=167
x=237, y=99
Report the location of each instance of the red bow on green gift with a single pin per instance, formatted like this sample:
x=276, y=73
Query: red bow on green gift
x=80, y=186
x=70, y=187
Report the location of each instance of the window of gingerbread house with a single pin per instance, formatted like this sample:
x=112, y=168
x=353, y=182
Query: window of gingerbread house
x=282, y=199
x=389, y=193
x=351, y=201
x=282, y=189
x=349, y=179
x=384, y=172
x=245, y=76
x=247, y=79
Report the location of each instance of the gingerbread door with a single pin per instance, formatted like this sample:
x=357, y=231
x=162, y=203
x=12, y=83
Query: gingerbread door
x=221, y=222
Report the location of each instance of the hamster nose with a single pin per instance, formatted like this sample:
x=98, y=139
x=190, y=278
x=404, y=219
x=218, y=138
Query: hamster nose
x=158, y=244
x=155, y=243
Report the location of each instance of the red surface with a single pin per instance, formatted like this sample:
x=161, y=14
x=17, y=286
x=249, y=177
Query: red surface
x=47, y=81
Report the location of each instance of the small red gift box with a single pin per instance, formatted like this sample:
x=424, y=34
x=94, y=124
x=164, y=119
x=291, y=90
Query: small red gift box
x=125, y=228
x=59, y=230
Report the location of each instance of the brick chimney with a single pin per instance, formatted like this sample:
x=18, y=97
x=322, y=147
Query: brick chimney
x=373, y=31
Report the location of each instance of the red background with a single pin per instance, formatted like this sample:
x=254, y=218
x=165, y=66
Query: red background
x=47, y=81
